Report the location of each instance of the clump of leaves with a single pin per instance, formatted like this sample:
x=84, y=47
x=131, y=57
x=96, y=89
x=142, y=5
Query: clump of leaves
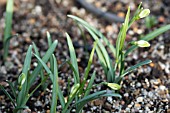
x=79, y=93
x=21, y=88
x=115, y=69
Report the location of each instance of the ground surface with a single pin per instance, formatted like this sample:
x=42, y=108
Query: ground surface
x=145, y=90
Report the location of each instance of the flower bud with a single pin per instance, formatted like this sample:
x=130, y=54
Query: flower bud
x=74, y=89
x=144, y=13
x=113, y=86
x=21, y=79
x=142, y=43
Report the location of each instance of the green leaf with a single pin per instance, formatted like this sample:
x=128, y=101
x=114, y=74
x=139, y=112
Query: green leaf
x=27, y=61
x=39, y=67
x=26, y=68
x=38, y=54
x=8, y=26
x=118, y=41
x=71, y=97
x=150, y=36
x=49, y=44
x=7, y=94
x=73, y=59
x=94, y=34
x=89, y=86
x=87, y=70
x=135, y=16
x=55, y=86
x=12, y=88
x=49, y=39
x=94, y=96
x=29, y=95
x=73, y=69
x=45, y=67
x=132, y=68
x=105, y=54
x=124, y=30
x=85, y=24
x=61, y=97
x=102, y=59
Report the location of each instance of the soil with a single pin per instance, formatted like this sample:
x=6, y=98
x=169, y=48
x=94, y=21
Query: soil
x=146, y=90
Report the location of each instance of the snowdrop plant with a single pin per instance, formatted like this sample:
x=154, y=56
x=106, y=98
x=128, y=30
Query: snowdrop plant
x=21, y=89
x=115, y=68
x=78, y=92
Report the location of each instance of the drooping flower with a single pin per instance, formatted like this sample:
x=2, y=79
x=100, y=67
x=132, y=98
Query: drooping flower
x=142, y=43
x=144, y=13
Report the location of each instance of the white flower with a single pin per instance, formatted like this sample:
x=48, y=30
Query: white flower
x=144, y=13
x=142, y=43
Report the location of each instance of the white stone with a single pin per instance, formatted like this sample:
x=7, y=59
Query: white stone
x=139, y=99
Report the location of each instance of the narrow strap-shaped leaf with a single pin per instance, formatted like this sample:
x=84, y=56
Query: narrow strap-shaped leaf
x=73, y=58
x=8, y=26
x=124, y=30
x=61, y=97
x=12, y=88
x=94, y=96
x=73, y=69
x=89, y=86
x=55, y=86
x=135, y=15
x=102, y=59
x=49, y=44
x=32, y=92
x=49, y=39
x=44, y=59
x=71, y=97
x=132, y=68
x=110, y=71
x=89, y=62
x=137, y=65
x=103, y=50
x=27, y=63
x=38, y=54
x=45, y=67
x=150, y=36
x=118, y=41
x=84, y=23
x=87, y=70
x=8, y=95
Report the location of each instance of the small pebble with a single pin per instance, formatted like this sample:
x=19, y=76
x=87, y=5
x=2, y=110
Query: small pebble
x=109, y=99
x=139, y=99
